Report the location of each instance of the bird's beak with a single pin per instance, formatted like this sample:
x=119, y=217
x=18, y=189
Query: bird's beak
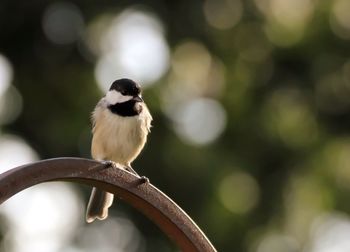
x=138, y=98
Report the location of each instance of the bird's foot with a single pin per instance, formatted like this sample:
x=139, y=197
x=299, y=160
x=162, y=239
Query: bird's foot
x=107, y=164
x=143, y=179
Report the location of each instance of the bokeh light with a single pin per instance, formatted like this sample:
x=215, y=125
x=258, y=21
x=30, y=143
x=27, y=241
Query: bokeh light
x=339, y=19
x=63, y=23
x=330, y=233
x=239, y=192
x=14, y=151
x=286, y=19
x=132, y=45
x=223, y=14
x=10, y=98
x=194, y=72
x=275, y=242
x=191, y=61
x=116, y=234
x=10, y=105
x=334, y=160
x=6, y=74
x=304, y=198
x=200, y=121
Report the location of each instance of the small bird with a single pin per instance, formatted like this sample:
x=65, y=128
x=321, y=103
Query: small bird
x=121, y=122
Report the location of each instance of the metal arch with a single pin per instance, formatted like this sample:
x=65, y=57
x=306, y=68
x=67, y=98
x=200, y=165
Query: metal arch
x=145, y=197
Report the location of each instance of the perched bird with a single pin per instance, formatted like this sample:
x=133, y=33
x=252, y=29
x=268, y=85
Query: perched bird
x=121, y=122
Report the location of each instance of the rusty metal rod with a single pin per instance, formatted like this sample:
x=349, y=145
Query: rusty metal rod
x=144, y=197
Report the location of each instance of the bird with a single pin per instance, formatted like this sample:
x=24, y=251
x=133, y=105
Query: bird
x=121, y=122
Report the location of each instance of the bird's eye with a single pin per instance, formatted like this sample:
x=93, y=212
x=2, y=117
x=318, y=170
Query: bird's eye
x=123, y=92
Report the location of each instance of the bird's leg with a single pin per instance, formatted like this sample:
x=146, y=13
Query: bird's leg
x=130, y=169
x=143, y=179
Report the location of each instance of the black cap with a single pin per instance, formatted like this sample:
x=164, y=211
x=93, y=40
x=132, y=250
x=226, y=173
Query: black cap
x=126, y=87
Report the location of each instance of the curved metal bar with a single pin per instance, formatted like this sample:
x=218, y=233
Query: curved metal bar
x=145, y=197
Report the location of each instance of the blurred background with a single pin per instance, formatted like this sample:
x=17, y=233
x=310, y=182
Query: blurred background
x=251, y=107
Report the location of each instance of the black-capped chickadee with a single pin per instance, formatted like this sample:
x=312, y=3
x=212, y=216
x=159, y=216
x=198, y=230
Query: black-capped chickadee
x=121, y=123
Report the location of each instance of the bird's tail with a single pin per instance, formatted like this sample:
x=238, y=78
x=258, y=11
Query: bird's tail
x=98, y=205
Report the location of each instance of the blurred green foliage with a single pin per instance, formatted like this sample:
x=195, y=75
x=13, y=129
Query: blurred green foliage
x=279, y=69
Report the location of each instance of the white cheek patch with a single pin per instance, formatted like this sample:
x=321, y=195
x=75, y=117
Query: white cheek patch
x=114, y=97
